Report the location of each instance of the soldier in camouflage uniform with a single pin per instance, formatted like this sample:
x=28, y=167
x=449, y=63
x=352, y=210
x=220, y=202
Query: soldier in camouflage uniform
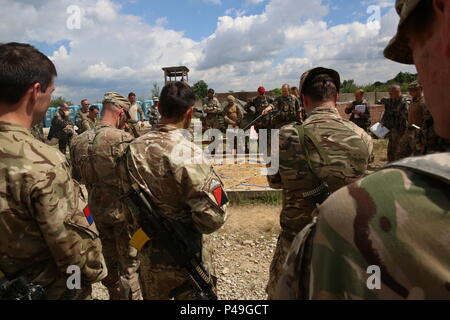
x=90, y=121
x=395, y=118
x=257, y=106
x=410, y=142
x=94, y=156
x=45, y=225
x=322, y=155
x=393, y=226
x=62, y=128
x=213, y=110
x=287, y=107
x=82, y=113
x=361, y=119
x=184, y=189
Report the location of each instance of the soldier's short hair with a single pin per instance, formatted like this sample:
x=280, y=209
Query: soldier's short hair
x=321, y=88
x=92, y=108
x=131, y=94
x=176, y=98
x=395, y=87
x=22, y=66
x=360, y=91
x=83, y=101
x=211, y=91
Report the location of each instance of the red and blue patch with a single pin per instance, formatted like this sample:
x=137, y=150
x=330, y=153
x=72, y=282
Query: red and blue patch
x=219, y=194
x=89, y=216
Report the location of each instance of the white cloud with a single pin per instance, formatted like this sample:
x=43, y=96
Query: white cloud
x=115, y=51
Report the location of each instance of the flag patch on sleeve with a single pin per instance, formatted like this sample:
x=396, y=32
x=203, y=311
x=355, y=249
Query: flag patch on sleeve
x=89, y=216
x=218, y=193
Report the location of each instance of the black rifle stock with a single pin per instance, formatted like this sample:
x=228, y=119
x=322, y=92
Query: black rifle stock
x=175, y=237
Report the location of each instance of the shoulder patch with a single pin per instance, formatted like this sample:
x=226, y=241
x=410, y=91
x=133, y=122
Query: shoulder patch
x=219, y=194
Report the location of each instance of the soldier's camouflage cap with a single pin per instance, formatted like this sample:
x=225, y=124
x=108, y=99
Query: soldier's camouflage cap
x=398, y=49
x=116, y=99
x=310, y=74
x=414, y=85
x=231, y=98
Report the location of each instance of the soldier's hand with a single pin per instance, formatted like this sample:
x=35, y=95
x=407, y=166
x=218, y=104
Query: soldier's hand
x=142, y=124
x=268, y=110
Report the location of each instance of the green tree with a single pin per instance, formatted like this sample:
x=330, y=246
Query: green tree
x=348, y=86
x=200, y=89
x=56, y=102
x=277, y=92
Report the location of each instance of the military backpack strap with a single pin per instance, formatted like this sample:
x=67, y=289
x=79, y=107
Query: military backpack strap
x=436, y=166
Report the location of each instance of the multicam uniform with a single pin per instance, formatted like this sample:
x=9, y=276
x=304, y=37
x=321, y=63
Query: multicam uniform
x=347, y=149
x=213, y=111
x=62, y=129
x=43, y=229
x=287, y=109
x=80, y=117
x=38, y=132
x=94, y=156
x=387, y=220
x=184, y=191
x=87, y=124
x=395, y=118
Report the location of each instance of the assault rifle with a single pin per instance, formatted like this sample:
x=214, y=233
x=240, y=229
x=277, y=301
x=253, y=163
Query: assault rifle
x=19, y=289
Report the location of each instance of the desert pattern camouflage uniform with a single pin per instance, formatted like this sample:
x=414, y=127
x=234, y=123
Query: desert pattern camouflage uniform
x=348, y=148
x=183, y=191
x=287, y=109
x=255, y=107
x=429, y=140
x=395, y=118
x=43, y=229
x=213, y=110
x=397, y=219
x=94, y=155
x=62, y=128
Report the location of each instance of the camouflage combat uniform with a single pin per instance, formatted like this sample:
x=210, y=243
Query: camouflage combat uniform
x=38, y=132
x=45, y=225
x=87, y=124
x=392, y=226
x=395, y=118
x=94, y=156
x=410, y=144
x=255, y=107
x=183, y=191
x=429, y=141
x=80, y=117
x=62, y=129
x=213, y=111
x=286, y=111
x=348, y=149
x=387, y=220
x=363, y=121
x=136, y=109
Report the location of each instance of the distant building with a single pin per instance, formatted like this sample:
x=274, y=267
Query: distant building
x=174, y=74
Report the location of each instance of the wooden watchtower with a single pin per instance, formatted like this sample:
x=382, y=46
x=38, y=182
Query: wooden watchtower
x=173, y=74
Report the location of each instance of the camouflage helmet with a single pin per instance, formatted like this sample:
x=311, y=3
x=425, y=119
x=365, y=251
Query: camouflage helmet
x=116, y=99
x=398, y=49
x=230, y=98
x=310, y=74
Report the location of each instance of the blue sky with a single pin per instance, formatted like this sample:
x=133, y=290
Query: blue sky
x=122, y=45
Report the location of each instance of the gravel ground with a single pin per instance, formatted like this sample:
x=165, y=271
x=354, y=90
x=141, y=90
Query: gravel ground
x=242, y=251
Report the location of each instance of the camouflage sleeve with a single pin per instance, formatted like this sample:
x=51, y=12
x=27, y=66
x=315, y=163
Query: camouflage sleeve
x=141, y=112
x=226, y=118
x=57, y=206
x=384, y=237
x=204, y=193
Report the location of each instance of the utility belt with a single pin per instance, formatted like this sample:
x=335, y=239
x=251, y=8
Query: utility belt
x=19, y=289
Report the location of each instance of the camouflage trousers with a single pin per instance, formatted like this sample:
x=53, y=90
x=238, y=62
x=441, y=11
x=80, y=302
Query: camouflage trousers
x=122, y=262
x=159, y=276
x=276, y=267
x=394, y=140
x=212, y=122
x=409, y=145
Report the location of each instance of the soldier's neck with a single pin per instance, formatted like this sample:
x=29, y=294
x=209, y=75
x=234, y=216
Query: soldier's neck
x=19, y=116
x=110, y=119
